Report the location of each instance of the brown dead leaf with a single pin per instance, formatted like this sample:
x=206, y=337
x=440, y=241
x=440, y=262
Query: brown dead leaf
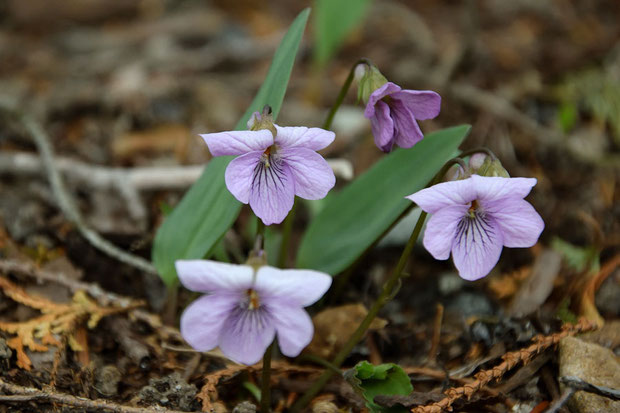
x=506, y=285
x=537, y=287
x=587, y=308
x=334, y=326
x=56, y=319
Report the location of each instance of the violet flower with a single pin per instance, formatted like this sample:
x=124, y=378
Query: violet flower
x=393, y=113
x=475, y=217
x=275, y=164
x=246, y=307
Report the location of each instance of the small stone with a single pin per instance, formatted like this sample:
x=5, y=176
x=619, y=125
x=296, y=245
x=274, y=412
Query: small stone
x=245, y=407
x=594, y=364
x=5, y=351
x=170, y=391
x=107, y=379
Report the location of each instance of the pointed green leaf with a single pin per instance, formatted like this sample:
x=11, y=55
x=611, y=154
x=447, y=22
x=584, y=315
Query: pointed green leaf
x=208, y=210
x=353, y=219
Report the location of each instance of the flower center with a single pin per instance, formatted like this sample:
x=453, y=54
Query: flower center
x=473, y=208
x=266, y=157
x=252, y=299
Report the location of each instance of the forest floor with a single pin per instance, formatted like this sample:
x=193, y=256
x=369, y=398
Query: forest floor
x=120, y=89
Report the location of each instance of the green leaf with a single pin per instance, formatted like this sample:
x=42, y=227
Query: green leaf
x=357, y=216
x=385, y=379
x=208, y=210
x=335, y=19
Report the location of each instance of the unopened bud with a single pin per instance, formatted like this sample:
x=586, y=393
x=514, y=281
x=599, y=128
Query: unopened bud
x=491, y=167
x=259, y=121
x=370, y=80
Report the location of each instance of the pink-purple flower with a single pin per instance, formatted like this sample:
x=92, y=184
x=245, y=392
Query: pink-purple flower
x=393, y=113
x=246, y=307
x=275, y=164
x=475, y=218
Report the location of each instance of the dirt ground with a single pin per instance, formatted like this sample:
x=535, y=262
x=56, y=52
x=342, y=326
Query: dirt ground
x=120, y=90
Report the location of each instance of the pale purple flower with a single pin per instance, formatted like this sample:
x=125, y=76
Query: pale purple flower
x=271, y=171
x=475, y=218
x=245, y=308
x=393, y=113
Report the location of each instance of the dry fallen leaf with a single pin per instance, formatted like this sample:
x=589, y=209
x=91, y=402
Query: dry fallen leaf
x=56, y=319
x=334, y=326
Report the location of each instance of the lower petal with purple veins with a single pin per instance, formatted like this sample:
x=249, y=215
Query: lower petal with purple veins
x=477, y=246
x=247, y=335
x=441, y=229
x=238, y=176
x=272, y=191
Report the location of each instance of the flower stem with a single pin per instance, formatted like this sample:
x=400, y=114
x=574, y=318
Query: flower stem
x=265, y=388
x=343, y=93
x=286, y=236
x=386, y=294
x=372, y=313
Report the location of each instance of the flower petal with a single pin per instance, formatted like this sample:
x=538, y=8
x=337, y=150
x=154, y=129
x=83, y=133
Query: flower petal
x=238, y=142
x=492, y=188
x=382, y=126
x=476, y=247
x=295, y=287
x=406, y=130
x=294, y=329
x=424, y=104
x=312, y=174
x=444, y=194
x=301, y=136
x=208, y=276
x=202, y=321
x=238, y=175
x=441, y=230
x=520, y=223
x=377, y=95
x=247, y=335
x=272, y=192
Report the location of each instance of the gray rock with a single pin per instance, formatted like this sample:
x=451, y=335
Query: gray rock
x=594, y=364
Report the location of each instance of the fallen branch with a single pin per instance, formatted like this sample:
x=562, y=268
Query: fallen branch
x=103, y=297
x=511, y=360
x=22, y=394
x=145, y=178
x=579, y=384
x=65, y=201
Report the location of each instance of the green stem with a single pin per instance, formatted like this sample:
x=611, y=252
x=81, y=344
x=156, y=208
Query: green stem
x=372, y=313
x=265, y=388
x=474, y=151
x=384, y=297
x=286, y=236
x=343, y=93
x=260, y=238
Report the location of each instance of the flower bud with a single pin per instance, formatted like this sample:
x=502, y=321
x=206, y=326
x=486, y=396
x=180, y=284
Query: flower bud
x=490, y=167
x=370, y=80
x=259, y=121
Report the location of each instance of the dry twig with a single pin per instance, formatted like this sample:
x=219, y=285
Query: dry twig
x=65, y=201
x=208, y=393
x=511, y=360
x=103, y=297
x=23, y=394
